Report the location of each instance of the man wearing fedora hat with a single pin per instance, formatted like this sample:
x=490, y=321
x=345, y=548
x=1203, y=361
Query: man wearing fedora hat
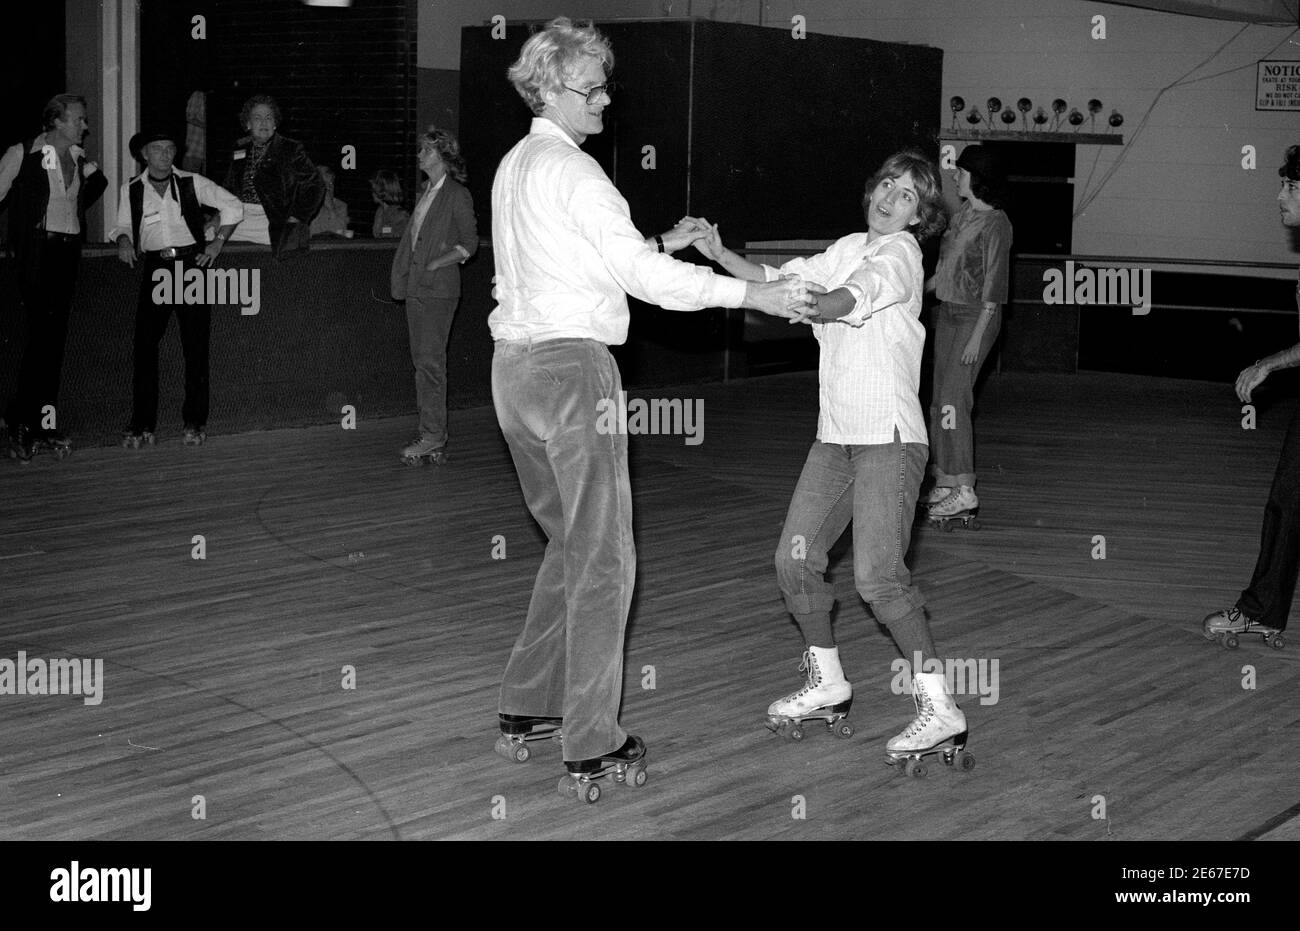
x=160, y=220
x=48, y=186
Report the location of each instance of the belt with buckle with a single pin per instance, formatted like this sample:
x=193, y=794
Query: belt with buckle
x=172, y=252
x=60, y=237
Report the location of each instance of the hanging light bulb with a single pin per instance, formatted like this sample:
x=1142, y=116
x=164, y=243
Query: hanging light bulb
x=994, y=105
x=1058, y=108
x=1024, y=105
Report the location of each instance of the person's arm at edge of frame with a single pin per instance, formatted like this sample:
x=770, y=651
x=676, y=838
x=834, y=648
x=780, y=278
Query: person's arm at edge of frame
x=1253, y=375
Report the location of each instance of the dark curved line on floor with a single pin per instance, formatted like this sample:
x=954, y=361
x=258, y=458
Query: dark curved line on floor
x=1276, y=821
x=176, y=680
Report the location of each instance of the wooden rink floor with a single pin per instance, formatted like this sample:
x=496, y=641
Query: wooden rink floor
x=224, y=677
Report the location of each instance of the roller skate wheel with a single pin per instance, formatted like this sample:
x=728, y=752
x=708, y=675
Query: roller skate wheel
x=511, y=750
x=965, y=761
x=1230, y=641
x=796, y=732
x=945, y=525
x=636, y=776
x=590, y=793
x=1277, y=641
x=568, y=786
x=62, y=452
x=974, y=523
x=843, y=729
x=914, y=768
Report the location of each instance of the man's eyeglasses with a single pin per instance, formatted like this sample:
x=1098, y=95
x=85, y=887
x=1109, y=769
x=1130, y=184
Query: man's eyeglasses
x=594, y=94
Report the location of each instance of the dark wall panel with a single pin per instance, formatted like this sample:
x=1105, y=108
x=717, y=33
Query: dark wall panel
x=787, y=131
x=770, y=136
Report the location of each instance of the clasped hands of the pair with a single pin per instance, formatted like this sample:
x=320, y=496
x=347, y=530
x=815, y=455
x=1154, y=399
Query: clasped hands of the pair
x=790, y=296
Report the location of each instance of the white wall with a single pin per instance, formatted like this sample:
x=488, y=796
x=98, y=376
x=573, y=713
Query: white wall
x=1181, y=191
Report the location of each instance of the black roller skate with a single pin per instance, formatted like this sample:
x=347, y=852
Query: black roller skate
x=53, y=441
x=626, y=766
x=134, y=439
x=22, y=443
x=519, y=730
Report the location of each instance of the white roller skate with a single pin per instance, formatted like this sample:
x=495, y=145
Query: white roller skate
x=961, y=504
x=936, y=494
x=424, y=449
x=939, y=727
x=827, y=696
x=1225, y=626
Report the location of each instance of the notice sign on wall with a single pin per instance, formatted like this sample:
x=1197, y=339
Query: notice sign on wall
x=1277, y=85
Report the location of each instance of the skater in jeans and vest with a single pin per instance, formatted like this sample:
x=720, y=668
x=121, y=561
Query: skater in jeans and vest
x=48, y=186
x=971, y=281
x=865, y=467
x=566, y=257
x=1266, y=603
x=159, y=218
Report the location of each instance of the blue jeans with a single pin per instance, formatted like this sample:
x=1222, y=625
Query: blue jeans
x=953, y=449
x=1272, y=588
x=876, y=488
x=568, y=660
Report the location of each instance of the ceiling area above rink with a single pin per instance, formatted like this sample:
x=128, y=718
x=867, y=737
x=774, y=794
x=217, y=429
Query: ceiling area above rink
x=1276, y=12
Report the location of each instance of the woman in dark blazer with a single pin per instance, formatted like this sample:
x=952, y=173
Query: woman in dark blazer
x=277, y=182
x=442, y=234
